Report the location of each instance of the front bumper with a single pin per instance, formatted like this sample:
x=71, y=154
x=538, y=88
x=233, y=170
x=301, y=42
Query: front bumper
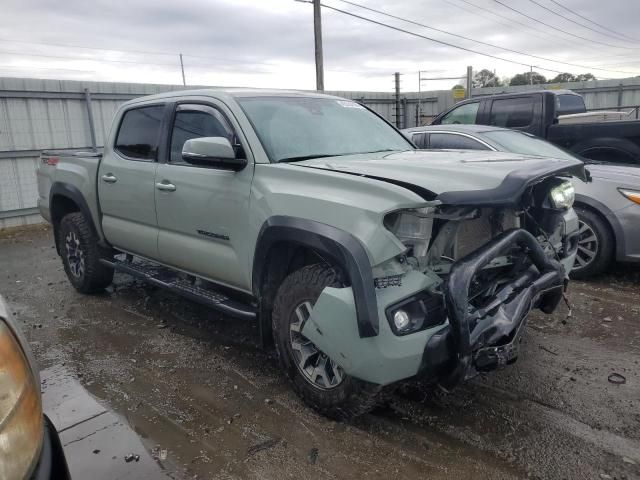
x=468, y=342
x=52, y=464
x=483, y=339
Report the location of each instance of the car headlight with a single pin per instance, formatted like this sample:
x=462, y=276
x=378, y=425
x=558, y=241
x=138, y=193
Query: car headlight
x=412, y=228
x=562, y=195
x=21, y=419
x=632, y=195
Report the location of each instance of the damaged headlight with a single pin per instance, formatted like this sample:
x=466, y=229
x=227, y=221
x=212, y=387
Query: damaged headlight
x=562, y=196
x=412, y=228
x=21, y=419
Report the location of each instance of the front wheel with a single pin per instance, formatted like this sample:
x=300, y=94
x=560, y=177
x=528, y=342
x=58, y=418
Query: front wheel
x=595, y=245
x=316, y=377
x=81, y=255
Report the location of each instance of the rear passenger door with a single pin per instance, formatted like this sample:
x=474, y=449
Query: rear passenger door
x=519, y=113
x=126, y=176
x=203, y=210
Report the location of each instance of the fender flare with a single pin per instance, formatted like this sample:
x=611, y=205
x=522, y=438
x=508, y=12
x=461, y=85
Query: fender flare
x=622, y=146
x=609, y=217
x=74, y=194
x=342, y=247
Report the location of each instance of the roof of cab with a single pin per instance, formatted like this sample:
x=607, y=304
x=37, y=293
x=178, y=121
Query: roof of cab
x=231, y=92
x=455, y=127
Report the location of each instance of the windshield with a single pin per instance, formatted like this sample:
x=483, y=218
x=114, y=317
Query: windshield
x=297, y=128
x=518, y=142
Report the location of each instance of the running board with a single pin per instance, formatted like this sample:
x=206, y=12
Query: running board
x=166, y=278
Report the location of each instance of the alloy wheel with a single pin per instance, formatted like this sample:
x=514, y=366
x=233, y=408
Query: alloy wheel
x=75, y=255
x=316, y=367
x=587, y=246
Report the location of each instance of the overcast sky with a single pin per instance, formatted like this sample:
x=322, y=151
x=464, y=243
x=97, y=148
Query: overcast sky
x=269, y=43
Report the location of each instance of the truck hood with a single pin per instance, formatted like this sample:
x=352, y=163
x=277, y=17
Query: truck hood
x=454, y=176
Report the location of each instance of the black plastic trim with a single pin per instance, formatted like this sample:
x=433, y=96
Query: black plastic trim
x=345, y=249
x=73, y=193
x=548, y=276
x=509, y=191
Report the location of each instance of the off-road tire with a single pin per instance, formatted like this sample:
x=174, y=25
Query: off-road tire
x=604, y=253
x=349, y=399
x=95, y=276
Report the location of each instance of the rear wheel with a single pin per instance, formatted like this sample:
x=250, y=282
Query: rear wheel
x=81, y=255
x=595, y=245
x=316, y=377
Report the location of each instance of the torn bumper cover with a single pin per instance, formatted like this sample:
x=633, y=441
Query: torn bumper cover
x=483, y=339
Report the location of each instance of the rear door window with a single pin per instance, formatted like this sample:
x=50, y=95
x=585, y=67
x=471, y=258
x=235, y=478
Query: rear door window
x=452, y=140
x=512, y=112
x=139, y=133
x=465, y=114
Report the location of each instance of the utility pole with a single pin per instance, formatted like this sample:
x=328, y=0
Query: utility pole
x=531, y=75
x=397, y=81
x=469, y=81
x=182, y=68
x=317, y=33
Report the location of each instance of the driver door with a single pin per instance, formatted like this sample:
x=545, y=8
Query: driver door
x=203, y=210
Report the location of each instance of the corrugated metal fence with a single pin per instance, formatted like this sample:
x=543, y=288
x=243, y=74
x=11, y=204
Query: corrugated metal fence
x=53, y=114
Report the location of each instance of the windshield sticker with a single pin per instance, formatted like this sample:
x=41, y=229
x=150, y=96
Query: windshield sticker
x=349, y=104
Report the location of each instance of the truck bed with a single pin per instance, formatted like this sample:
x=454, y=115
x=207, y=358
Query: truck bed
x=75, y=167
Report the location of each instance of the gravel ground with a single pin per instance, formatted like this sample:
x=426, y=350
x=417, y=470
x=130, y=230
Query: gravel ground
x=197, y=385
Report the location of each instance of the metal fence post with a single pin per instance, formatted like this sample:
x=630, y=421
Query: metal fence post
x=92, y=127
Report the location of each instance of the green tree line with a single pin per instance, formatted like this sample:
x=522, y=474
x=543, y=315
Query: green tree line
x=487, y=78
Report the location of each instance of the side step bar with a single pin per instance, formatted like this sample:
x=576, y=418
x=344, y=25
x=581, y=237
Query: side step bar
x=165, y=278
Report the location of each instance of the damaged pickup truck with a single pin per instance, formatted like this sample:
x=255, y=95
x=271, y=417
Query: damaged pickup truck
x=366, y=261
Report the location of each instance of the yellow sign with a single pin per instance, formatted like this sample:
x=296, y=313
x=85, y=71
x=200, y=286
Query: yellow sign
x=459, y=93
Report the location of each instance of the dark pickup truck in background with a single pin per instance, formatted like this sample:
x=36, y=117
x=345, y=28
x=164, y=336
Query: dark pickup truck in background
x=559, y=116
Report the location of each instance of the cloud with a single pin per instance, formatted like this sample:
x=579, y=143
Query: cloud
x=269, y=43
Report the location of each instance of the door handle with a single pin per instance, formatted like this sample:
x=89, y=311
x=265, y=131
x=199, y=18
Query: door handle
x=165, y=186
x=109, y=178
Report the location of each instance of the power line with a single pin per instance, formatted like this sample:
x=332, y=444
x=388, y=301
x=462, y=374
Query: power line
x=525, y=25
x=28, y=67
x=398, y=29
x=559, y=30
x=546, y=59
x=68, y=57
x=535, y=2
x=591, y=21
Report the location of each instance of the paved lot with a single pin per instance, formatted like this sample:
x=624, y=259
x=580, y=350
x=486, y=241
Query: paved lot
x=206, y=402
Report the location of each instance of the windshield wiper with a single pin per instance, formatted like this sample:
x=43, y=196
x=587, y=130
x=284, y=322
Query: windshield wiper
x=308, y=157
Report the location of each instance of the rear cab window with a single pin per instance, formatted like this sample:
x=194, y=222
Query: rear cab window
x=464, y=114
x=512, y=112
x=567, y=104
x=139, y=133
x=455, y=141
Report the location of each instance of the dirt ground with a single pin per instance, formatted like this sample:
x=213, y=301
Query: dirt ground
x=197, y=385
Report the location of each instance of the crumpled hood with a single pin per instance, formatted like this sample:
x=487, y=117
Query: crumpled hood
x=454, y=176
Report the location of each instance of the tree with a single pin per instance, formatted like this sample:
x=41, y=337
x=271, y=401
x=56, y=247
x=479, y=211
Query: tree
x=486, y=78
x=563, y=78
x=527, y=78
x=585, y=77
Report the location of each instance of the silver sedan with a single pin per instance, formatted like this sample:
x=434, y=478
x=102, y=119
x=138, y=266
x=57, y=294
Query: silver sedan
x=608, y=207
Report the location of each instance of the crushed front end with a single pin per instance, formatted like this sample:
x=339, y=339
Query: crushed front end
x=455, y=301
x=496, y=264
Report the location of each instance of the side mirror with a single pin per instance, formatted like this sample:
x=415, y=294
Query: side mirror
x=212, y=151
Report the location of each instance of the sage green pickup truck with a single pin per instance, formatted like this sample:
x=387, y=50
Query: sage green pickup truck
x=364, y=260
